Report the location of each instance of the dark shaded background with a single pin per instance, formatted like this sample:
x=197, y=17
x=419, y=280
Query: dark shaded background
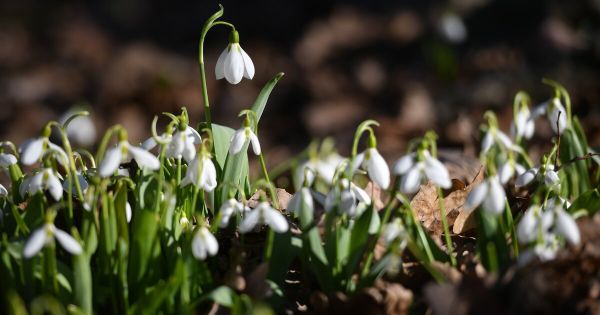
x=344, y=62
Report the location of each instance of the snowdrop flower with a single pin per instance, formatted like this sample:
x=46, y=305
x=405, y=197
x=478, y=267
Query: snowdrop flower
x=122, y=152
x=234, y=63
x=534, y=220
x=202, y=173
x=555, y=112
x=34, y=149
x=305, y=174
x=239, y=139
x=348, y=198
x=395, y=230
x=545, y=174
x=83, y=184
x=326, y=167
x=7, y=160
x=45, y=235
x=179, y=145
x=490, y=193
x=414, y=171
x=230, y=207
x=45, y=179
x=565, y=225
x=523, y=125
x=302, y=199
x=264, y=214
x=508, y=169
x=183, y=144
x=376, y=167
x=81, y=129
x=495, y=136
x=204, y=244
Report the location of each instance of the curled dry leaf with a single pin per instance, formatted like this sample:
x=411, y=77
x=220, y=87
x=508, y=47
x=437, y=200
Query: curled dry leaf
x=425, y=204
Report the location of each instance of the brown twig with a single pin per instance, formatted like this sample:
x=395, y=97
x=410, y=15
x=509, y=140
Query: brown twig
x=578, y=158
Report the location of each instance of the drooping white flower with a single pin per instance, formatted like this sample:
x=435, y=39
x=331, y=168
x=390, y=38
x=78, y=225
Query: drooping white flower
x=565, y=225
x=204, y=244
x=347, y=197
x=81, y=129
x=413, y=172
x=302, y=199
x=45, y=179
x=202, y=173
x=33, y=150
x=376, y=167
x=555, y=113
x=523, y=125
x=305, y=172
x=179, y=145
x=234, y=63
x=395, y=230
x=547, y=176
x=123, y=152
x=229, y=208
x=239, y=139
x=490, y=193
x=7, y=160
x=508, y=170
x=83, y=184
x=45, y=235
x=264, y=214
x=496, y=136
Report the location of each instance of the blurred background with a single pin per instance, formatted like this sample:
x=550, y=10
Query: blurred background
x=411, y=65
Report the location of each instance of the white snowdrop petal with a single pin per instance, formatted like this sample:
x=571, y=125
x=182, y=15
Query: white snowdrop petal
x=7, y=160
x=220, y=66
x=189, y=150
x=360, y=194
x=527, y=227
x=504, y=139
x=411, y=181
x=476, y=197
x=526, y=178
x=144, y=158
x=437, y=172
x=487, y=141
x=36, y=241
x=3, y=191
x=32, y=151
x=62, y=156
x=255, y=143
x=248, y=65
x=149, y=144
x=378, y=169
x=566, y=226
x=36, y=183
x=551, y=178
x=250, y=221
x=307, y=198
x=237, y=142
x=193, y=134
x=128, y=211
x=234, y=65
x=494, y=203
x=505, y=172
x=404, y=164
x=54, y=186
x=111, y=162
x=275, y=220
x=347, y=202
x=212, y=246
x=529, y=129
x=329, y=202
x=67, y=242
x=208, y=179
x=199, y=249
x=539, y=111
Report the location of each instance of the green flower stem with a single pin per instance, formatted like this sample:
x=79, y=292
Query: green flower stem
x=178, y=172
x=447, y=237
x=511, y=226
x=386, y=217
x=269, y=245
x=49, y=271
x=207, y=26
x=272, y=192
